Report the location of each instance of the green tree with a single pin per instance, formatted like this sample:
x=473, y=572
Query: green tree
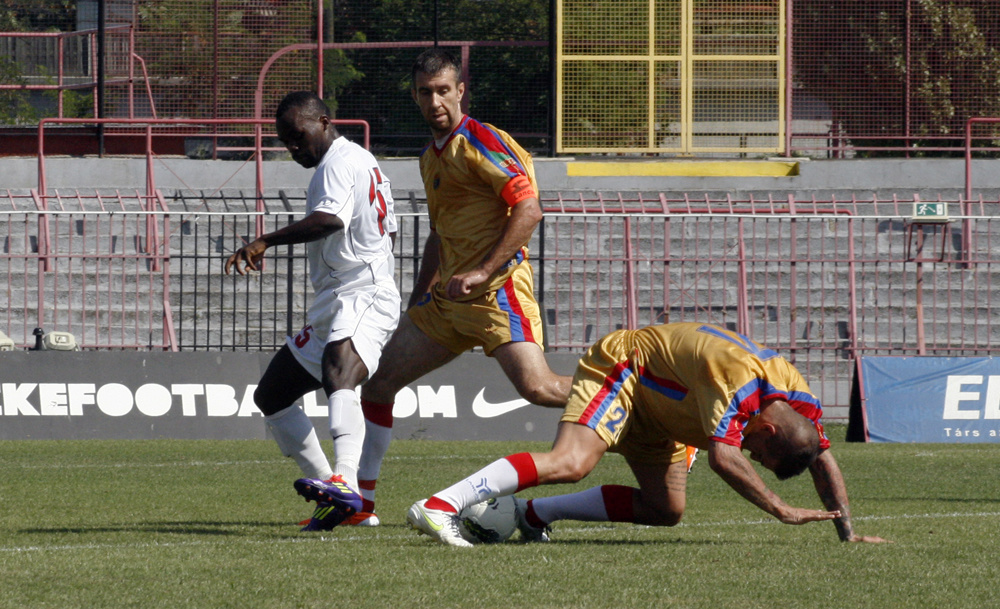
x=37, y=15
x=24, y=16
x=14, y=106
x=217, y=49
x=509, y=85
x=861, y=64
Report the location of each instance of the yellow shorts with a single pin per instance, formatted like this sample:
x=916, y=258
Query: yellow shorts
x=602, y=399
x=509, y=314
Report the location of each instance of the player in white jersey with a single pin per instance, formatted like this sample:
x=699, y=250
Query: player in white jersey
x=349, y=229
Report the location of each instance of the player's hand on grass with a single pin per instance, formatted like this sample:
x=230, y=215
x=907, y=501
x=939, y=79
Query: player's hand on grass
x=249, y=256
x=867, y=539
x=794, y=515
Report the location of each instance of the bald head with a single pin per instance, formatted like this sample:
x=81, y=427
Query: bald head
x=794, y=443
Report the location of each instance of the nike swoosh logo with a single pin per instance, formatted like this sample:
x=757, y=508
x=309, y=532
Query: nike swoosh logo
x=430, y=523
x=486, y=410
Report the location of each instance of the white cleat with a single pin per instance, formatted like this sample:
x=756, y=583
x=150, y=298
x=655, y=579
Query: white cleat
x=440, y=525
x=529, y=532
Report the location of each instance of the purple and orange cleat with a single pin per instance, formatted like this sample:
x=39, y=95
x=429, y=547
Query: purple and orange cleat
x=335, y=501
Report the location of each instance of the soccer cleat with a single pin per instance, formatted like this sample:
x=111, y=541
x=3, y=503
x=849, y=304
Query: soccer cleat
x=442, y=526
x=691, y=456
x=362, y=519
x=528, y=531
x=335, y=501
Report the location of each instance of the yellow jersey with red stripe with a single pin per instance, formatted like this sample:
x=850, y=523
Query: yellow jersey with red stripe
x=644, y=390
x=472, y=181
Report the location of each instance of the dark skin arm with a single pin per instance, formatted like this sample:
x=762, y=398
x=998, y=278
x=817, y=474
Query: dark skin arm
x=832, y=492
x=316, y=225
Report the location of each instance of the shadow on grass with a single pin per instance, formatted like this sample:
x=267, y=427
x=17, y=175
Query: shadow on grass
x=178, y=528
x=212, y=528
x=639, y=542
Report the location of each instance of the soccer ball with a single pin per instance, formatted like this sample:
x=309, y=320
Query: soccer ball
x=489, y=521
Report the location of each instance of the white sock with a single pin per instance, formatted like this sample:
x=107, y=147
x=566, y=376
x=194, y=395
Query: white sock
x=296, y=438
x=377, y=438
x=496, y=479
x=347, y=427
x=586, y=505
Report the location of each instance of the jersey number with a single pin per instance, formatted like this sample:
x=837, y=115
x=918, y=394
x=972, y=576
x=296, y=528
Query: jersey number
x=303, y=337
x=617, y=416
x=376, y=198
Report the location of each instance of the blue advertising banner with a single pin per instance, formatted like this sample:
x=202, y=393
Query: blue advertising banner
x=931, y=399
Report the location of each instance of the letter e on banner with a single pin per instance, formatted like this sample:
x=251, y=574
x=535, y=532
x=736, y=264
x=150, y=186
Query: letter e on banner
x=954, y=395
x=52, y=400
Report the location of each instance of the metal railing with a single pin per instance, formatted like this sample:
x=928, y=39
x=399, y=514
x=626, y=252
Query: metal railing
x=181, y=128
x=87, y=77
x=93, y=264
x=822, y=281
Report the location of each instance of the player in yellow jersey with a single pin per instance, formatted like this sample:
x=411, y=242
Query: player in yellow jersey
x=646, y=394
x=475, y=284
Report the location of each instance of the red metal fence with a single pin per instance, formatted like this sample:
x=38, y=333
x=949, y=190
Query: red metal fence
x=822, y=281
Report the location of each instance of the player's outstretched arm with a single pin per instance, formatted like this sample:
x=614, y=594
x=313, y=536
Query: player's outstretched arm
x=729, y=463
x=829, y=482
x=316, y=225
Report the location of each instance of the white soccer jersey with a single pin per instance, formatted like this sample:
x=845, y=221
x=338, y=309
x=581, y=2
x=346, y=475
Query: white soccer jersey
x=352, y=269
x=349, y=184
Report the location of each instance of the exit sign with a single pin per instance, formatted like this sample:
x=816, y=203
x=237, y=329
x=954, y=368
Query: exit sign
x=926, y=211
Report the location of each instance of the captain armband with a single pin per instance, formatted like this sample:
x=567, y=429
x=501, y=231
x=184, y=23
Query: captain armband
x=518, y=189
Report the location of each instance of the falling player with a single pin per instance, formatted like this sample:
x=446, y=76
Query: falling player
x=645, y=394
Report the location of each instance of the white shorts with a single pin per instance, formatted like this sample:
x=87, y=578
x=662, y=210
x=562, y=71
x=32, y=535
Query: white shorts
x=361, y=304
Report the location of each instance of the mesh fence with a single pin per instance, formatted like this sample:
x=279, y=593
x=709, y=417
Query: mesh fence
x=892, y=76
x=707, y=77
x=686, y=76
x=203, y=58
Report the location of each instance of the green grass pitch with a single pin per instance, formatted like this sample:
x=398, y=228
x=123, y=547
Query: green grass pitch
x=212, y=524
